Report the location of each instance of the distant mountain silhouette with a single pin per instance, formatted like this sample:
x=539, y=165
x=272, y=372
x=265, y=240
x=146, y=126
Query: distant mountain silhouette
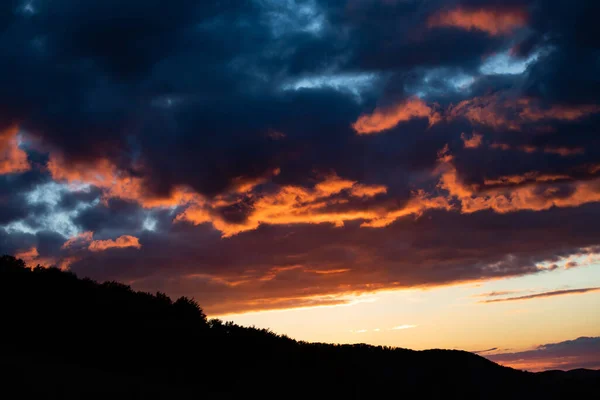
x=69, y=338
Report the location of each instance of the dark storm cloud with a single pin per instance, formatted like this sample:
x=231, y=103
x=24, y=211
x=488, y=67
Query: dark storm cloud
x=13, y=191
x=127, y=74
x=440, y=249
x=224, y=136
x=116, y=215
x=83, y=76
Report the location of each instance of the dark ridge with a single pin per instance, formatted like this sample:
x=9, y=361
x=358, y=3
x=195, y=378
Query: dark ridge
x=69, y=338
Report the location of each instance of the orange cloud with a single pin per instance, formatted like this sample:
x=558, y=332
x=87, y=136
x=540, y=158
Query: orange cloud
x=473, y=142
x=280, y=303
x=333, y=185
x=530, y=197
x=12, y=158
x=29, y=255
x=571, y=264
x=32, y=258
x=359, y=190
x=533, y=176
x=483, y=111
x=121, y=242
x=82, y=239
x=387, y=118
x=533, y=113
x=116, y=183
x=244, y=185
x=299, y=205
x=329, y=271
x=505, y=113
x=417, y=205
x=494, y=22
x=538, y=192
x=86, y=240
x=493, y=111
x=113, y=182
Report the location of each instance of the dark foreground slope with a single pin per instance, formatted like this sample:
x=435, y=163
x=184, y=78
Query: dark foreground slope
x=69, y=338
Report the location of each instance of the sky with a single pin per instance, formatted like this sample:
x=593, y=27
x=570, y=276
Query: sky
x=413, y=173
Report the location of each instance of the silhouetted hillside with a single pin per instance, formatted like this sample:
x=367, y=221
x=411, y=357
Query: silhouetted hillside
x=64, y=337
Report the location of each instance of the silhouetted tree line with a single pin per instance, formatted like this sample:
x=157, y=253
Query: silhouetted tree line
x=88, y=339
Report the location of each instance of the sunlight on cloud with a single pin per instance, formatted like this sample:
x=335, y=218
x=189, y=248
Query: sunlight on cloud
x=286, y=305
x=494, y=22
x=386, y=118
x=86, y=240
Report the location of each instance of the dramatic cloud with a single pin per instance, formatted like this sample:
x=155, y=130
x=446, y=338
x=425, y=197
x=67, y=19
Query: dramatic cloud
x=323, y=204
x=260, y=155
x=113, y=182
x=583, y=352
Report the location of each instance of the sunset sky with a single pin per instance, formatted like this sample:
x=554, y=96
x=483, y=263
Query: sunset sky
x=413, y=173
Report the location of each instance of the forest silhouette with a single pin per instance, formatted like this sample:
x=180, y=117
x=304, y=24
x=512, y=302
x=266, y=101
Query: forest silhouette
x=71, y=338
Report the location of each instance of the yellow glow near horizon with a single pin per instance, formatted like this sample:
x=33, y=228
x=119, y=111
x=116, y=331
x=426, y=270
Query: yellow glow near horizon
x=450, y=317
